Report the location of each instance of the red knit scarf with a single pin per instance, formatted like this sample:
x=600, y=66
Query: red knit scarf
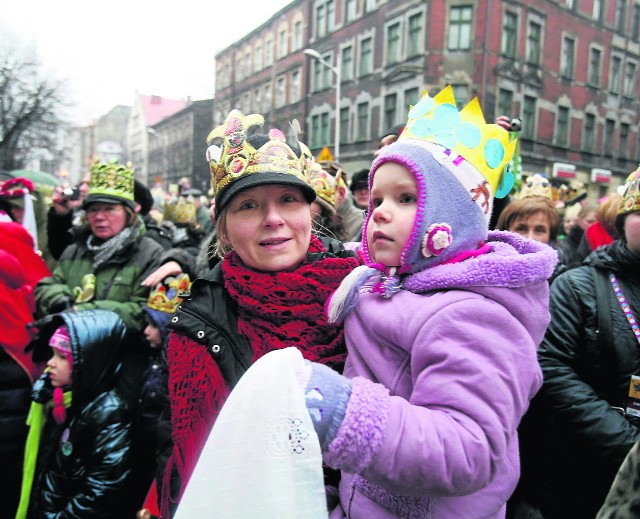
x=276, y=310
x=281, y=309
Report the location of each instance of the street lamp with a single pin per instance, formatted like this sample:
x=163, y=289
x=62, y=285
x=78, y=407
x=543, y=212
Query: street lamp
x=336, y=70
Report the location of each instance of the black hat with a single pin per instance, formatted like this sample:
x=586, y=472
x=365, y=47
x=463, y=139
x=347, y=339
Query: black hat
x=359, y=180
x=142, y=195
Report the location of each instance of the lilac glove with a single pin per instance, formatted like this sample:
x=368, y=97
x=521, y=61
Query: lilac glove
x=326, y=396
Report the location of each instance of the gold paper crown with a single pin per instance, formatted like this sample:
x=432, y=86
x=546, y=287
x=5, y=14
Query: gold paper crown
x=536, y=185
x=180, y=210
x=631, y=195
x=485, y=146
x=112, y=179
x=326, y=186
x=165, y=297
x=238, y=158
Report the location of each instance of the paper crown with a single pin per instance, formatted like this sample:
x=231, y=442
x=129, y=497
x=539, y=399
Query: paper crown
x=631, y=195
x=536, y=185
x=487, y=147
x=165, y=297
x=180, y=210
x=112, y=183
x=237, y=159
x=330, y=190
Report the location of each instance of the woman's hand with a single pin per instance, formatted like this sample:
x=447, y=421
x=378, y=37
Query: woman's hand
x=171, y=268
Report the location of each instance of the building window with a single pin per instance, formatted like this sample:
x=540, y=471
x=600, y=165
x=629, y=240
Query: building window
x=562, y=126
x=510, y=34
x=415, y=35
x=315, y=131
x=635, y=23
x=257, y=58
x=393, y=43
x=324, y=122
x=325, y=15
x=505, y=102
x=295, y=87
x=568, y=53
x=327, y=73
x=460, y=27
x=461, y=93
x=621, y=7
x=317, y=76
x=570, y=4
x=346, y=64
x=257, y=101
x=344, y=125
x=614, y=76
x=597, y=10
x=268, y=53
x=528, y=117
x=390, y=108
x=369, y=5
x=363, y=121
x=281, y=90
x=239, y=68
x=630, y=79
x=247, y=65
x=534, y=43
x=267, y=98
x=624, y=140
x=350, y=10
x=366, y=56
x=297, y=35
x=610, y=127
x=595, y=59
x=588, y=137
x=282, y=44
x=411, y=97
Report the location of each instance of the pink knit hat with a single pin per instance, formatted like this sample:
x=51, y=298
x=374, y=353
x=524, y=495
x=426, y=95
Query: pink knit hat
x=61, y=340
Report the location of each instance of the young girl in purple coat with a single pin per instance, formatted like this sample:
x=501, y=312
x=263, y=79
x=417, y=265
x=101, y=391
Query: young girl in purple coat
x=442, y=325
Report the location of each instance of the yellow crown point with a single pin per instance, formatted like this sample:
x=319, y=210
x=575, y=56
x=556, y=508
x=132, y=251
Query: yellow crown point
x=488, y=147
x=166, y=296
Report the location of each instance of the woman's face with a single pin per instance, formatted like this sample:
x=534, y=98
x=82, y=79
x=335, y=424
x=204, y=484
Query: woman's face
x=106, y=220
x=535, y=227
x=632, y=231
x=269, y=227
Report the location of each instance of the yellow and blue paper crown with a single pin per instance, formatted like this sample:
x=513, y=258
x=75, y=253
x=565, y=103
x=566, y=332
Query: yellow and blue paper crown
x=487, y=147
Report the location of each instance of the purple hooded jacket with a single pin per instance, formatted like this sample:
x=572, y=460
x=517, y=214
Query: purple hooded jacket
x=442, y=374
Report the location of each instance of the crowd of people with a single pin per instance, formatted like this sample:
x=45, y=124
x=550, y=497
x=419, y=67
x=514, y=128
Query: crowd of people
x=468, y=347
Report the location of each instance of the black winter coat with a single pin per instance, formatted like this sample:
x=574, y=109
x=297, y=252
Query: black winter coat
x=84, y=464
x=580, y=438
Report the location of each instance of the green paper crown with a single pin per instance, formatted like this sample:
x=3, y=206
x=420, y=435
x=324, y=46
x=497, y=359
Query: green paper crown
x=112, y=180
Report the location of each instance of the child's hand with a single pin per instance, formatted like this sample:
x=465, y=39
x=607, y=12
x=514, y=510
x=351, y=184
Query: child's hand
x=326, y=396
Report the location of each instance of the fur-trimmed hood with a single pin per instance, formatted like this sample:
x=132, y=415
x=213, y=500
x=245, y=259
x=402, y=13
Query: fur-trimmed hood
x=512, y=262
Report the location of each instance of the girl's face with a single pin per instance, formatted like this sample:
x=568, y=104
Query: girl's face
x=394, y=196
x=153, y=335
x=535, y=227
x=269, y=227
x=59, y=368
x=632, y=231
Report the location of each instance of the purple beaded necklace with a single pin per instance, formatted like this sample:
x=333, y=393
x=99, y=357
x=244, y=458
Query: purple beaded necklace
x=626, y=308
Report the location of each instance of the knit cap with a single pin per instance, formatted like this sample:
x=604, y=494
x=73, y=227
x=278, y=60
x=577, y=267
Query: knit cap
x=458, y=162
x=61, y=340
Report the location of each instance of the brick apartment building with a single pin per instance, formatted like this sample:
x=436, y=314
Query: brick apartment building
x=568, y=68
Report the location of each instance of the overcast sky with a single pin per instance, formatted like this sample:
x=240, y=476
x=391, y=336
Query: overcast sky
x=106, y=51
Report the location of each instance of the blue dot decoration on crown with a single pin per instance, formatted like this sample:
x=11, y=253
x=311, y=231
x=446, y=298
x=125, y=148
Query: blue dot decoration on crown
x=487, y=147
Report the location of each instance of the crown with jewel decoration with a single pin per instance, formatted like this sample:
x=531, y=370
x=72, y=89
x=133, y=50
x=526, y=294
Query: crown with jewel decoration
x=165, y=297
x=111, y=182
x=487, y=147
x=237, y=158
x=329, y=189
x=631, y=193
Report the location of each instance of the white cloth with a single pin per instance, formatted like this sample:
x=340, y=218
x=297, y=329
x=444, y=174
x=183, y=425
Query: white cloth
x=262, y=458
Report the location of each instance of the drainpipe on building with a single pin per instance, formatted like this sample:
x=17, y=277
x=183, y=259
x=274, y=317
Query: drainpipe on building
x=485, y=58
